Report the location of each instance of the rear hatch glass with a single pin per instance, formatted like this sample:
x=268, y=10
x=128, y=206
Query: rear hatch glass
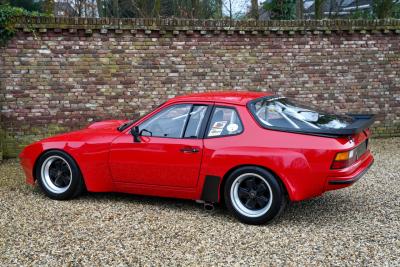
x=281, y=113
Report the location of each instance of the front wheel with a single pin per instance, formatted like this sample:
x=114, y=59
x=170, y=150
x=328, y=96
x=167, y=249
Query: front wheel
x=254, y=195
x=58, y=175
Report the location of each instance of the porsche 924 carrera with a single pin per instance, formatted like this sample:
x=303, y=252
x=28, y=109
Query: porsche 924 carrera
x=252, y=151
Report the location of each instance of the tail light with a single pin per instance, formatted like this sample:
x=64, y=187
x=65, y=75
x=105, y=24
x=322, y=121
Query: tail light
x=347, y=158
x=344, y=159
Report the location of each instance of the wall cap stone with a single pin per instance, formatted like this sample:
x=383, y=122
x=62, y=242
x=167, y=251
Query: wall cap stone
x=189, y=25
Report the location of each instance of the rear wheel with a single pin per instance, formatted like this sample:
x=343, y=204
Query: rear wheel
x=254, y=195
x=58, y=175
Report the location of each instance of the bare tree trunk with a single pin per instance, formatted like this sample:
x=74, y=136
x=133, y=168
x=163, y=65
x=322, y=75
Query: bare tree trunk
x=339, y=8
x=299, y=9
x=230, y=10
x=115, y=8
x=228, y=5
x=100, y=9
x=254, y=9
x=331, y=7
x=157, y=8
x=319, y=9
x=140, y=7
x=78, y=7
x=195, y=9
x=84, y=9
x=219, y=8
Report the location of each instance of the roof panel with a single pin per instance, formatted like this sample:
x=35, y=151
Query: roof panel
x=231, y=97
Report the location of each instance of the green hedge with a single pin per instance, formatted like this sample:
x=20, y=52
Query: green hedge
x=7, y=26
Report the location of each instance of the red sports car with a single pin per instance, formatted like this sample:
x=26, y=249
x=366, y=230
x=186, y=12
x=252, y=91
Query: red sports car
x=253, y=151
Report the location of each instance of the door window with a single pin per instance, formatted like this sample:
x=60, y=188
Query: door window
x=225, y=121
x=170, y=122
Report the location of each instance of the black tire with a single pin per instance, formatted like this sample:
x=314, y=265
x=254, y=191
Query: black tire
x=258, y=201
x=58, y=164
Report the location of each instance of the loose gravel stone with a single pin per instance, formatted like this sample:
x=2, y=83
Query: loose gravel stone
x=358, y=225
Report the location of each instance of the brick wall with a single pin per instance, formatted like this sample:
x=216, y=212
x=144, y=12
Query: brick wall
x=60, y=74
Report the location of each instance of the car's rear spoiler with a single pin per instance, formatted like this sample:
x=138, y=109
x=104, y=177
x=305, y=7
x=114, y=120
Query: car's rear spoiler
x=361, y=122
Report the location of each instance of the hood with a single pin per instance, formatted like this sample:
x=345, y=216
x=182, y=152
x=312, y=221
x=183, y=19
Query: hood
x=102, y=129
x=106, y=125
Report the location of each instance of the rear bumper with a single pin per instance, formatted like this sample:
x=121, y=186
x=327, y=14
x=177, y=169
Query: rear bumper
x=346, y=177
x=351, y=180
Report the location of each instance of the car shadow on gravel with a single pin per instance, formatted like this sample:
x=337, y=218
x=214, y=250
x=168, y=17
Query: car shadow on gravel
x=171, y=204
x=332, y=207
x=329, y=208
x=139, y=199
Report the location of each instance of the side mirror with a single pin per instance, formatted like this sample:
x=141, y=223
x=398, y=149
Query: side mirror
x=145, y=132
x=135, y=133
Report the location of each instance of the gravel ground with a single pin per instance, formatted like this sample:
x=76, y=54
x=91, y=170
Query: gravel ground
x=358, y=225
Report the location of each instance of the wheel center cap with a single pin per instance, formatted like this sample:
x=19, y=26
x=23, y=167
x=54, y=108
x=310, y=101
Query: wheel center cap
x=59, y=173
x=253, y=194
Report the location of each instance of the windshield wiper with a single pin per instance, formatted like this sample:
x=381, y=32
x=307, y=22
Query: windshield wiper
x=125, y=125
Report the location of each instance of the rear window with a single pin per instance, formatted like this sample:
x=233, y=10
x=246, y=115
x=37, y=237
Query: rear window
x=282, y=113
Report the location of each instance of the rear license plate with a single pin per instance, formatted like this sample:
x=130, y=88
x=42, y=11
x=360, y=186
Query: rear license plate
x=361, y=149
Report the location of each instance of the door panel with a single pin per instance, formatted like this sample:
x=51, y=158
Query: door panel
x=169, y=155
x=156, y=161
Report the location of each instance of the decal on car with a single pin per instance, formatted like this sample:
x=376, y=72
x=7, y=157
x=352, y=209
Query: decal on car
x=217, y=128
x=232, y=127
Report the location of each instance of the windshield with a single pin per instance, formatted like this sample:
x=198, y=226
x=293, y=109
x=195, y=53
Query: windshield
x=127, y=124
x=280, y=112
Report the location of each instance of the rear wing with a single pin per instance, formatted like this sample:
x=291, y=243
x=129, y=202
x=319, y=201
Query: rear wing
x=361, y=122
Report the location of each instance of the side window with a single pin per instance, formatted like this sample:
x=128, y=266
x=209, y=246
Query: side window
x=195, y=121
x=224, y=122
x=169, y=122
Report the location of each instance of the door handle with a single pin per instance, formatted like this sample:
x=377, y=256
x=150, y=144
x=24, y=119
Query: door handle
x=189, y=150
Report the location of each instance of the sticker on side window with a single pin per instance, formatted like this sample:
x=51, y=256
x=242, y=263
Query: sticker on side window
x=232, y=127
x=217, y=128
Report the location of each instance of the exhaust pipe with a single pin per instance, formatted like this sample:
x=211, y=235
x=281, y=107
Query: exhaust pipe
x=208, y=206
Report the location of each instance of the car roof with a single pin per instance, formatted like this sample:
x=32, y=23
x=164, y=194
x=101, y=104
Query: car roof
x=229, y=97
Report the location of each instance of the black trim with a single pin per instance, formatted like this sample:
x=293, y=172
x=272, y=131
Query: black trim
x=351, y=181
x=211, y=188
x=210, y=118
x=187, y=121
x=207, y=128
x=362, y=122
x=205, y=121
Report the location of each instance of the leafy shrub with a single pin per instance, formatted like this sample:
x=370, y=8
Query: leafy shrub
x=386, y=9
x=281, y=9
x=7, y=25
